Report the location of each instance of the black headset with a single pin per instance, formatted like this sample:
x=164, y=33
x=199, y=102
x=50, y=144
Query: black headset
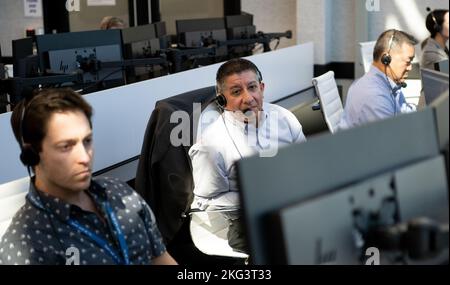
x=386, y=59
x=220, y=99
x=28, y=155
x=436, y=27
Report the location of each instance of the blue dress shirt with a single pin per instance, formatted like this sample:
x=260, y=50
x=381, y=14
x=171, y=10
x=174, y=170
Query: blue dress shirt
x=373, y=97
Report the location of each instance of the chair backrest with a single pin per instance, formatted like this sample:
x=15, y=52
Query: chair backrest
x=209, y=234
x=164, y=177
x=366, y=49
x=12, y=197
x=330, y=101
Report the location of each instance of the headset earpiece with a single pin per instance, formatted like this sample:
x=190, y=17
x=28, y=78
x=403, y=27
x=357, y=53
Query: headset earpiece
x=386, y=59
x=436, y=27
x=28, y=156
x=221, y=101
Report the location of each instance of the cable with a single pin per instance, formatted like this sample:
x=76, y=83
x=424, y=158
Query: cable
x=100, y=81
x=229, y=134
x=392, y=90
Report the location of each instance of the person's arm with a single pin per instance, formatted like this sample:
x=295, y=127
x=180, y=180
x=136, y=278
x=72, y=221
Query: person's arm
x=164, y=259
x=211, y=179
x=160, y=256
x=16, y=253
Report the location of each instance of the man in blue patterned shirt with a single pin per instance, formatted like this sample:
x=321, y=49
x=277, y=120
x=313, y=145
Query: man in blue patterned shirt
x=377, y=94
x=68, y=217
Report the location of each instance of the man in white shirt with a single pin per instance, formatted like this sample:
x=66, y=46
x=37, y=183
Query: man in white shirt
x=246, y=126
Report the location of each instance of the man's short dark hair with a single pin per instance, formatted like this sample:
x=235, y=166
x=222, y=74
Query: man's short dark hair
x=384, y=43
x=30, y=125
x=235, y=66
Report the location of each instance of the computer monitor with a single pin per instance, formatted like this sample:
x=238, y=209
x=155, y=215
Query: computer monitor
x=434, y=84
x=70, y=52
x=440, y=107
x=24, y=62
x=240, y=27
x=161, y=34
x=141, y=42
x=441, y=66
x=325, y=163
x=202, y=33
x=344, y=226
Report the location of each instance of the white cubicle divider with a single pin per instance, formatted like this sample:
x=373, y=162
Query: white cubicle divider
x=121, y=114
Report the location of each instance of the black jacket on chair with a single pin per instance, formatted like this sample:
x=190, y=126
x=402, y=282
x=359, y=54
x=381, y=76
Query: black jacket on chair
x=164, y=175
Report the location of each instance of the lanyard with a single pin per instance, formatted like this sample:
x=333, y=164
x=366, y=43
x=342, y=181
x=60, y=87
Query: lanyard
x=93, y=236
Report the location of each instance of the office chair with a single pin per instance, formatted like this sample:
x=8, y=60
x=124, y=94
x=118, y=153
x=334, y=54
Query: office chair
x=164, y=177
x=12, y=198
x=366, y=49
x=330, y=101
x=209, y=229
x=209, y=233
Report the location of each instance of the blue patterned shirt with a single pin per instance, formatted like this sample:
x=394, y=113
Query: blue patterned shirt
x=37, y=236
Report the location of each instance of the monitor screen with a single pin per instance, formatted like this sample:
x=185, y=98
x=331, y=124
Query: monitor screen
x=335, y=228
x=64, y=53
x=161, y=34
x=441, y=109
x=202, y=33
x=325, y=163
x=21, y=49
x=434, y=84
x=239, y=20
x=160, y=28
x=205, y=24
x=140, y=41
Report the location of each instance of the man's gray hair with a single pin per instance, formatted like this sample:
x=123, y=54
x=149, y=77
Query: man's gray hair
x=391, y=39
